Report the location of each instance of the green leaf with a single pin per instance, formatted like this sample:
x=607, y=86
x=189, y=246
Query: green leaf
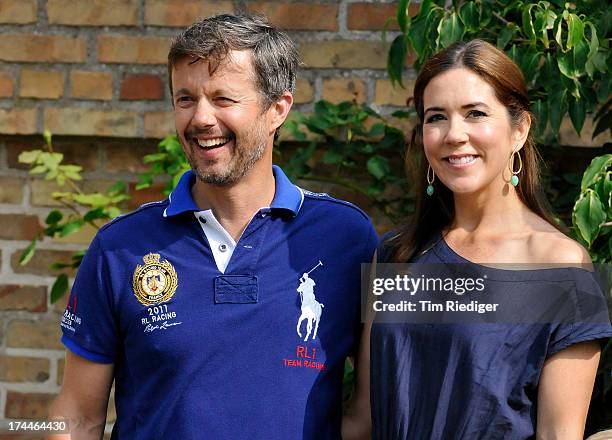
x=540, y=110
x=54, y=217
x=47, y=137
x=38, y=169
x=577, y=112
x=112, y=212
x=396, y=59
x=559, y=32
x=332, y=157
x=557, y=107
x=596, y=168
x=377, y=129
x=529, y=64
x=71, y=227
x=378, y=166
x=403, y=18
x=27, y=253
x=94, y=214
x=116, y=188
x=29, y=156
x=575, y=31
x=592, y=57
x=59, y=288
x=51, y=160
x=588, y=216
x=450, y=30
x=95, y=199
x=505, y=36
x=469, y=16
x=528, y=24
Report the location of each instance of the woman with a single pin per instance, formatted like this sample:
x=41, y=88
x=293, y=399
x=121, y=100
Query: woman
x=480, y=204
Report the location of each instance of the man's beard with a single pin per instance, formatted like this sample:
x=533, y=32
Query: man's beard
x=247, y=151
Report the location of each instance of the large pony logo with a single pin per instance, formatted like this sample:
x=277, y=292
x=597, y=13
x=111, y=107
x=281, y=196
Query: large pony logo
x=311, y=308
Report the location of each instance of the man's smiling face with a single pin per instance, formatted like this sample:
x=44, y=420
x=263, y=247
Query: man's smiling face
x=219, y=118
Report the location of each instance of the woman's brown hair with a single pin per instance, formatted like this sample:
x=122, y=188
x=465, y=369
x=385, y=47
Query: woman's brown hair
x=433, y=214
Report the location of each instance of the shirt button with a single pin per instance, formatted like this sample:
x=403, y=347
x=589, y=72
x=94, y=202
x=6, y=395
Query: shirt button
x=223, y=247
x=202, y=219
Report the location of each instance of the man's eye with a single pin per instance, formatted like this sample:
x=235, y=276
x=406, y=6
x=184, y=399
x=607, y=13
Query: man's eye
x=184, y=99
x=224, y=99
x=434, y=118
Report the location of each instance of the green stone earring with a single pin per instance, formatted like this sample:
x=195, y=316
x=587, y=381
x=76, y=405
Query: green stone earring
x=430, y=180
x=514, y=180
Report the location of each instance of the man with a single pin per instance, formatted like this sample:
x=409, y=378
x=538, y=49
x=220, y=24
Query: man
x=190, y=304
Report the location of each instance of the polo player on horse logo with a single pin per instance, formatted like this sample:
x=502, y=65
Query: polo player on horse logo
x=311, y=308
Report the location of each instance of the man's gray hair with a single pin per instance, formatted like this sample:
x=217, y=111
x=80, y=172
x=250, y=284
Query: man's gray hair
x=275, y=57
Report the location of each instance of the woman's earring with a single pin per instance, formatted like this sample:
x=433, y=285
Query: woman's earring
x=514, y=180
x=430, y=180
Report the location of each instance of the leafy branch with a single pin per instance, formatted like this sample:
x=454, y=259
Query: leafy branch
x=562, y=48
x=85, y=208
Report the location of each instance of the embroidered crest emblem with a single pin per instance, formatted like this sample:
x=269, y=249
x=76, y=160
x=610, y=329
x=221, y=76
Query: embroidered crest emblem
x=311, y=308
x=155, y=282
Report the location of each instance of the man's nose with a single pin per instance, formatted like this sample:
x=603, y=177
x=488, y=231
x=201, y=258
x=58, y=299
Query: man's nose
x=204, y=115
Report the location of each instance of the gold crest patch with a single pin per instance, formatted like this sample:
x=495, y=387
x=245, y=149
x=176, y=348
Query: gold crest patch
x=155, y=282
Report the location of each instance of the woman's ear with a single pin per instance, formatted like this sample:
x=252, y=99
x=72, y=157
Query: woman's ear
x=521, y=131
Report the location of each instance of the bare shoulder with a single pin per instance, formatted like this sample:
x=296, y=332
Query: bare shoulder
x=556, y=248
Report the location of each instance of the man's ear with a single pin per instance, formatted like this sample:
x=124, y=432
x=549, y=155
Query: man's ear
x=279, y=110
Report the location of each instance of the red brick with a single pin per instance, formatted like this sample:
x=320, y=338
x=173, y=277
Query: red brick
x=18, y=11
x=347, y=54
x=141, y=86
x=158, y=125
x=41, y=84
x=372, y=16
x=93, y=12
x=42, y=48
x=11, y=190
x=23, y=369
x=142, y=196
x=24, y=333
x=19, y=227
x=30, y=298
x=6, y=84
x=299, y=16
x=40, y=262
x=88, y=122
x=182, y=12
x=132, y=50
x=91, y=85
x=386, y=94
x=18, y=120
x=28, y=405
x=79, y=151
x=344, y=89
x=304, y=92
x=126, y=156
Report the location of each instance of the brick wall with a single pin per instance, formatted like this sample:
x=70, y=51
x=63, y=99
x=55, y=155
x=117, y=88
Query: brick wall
x=93, y=72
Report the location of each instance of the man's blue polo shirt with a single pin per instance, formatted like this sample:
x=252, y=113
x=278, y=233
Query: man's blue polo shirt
x=201, y=354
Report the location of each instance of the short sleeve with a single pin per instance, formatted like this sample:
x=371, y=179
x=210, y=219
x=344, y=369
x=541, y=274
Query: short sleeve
x=88, y=324
x=591, y=320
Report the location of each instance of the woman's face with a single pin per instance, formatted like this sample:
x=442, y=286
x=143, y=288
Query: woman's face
x=467, y=134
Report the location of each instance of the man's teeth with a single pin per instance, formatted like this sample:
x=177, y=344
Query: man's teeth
x=212, y=142
x=461, y=160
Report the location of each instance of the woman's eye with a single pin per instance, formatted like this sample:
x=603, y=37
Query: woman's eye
x=476, y=114
x=434, y=118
